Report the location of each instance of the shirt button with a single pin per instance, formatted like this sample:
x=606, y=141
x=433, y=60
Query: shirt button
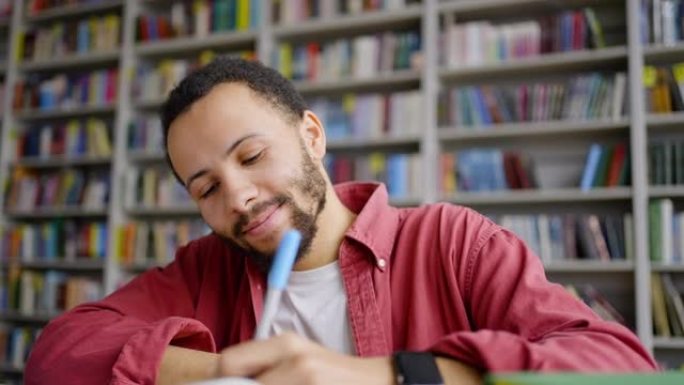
x=382, y=263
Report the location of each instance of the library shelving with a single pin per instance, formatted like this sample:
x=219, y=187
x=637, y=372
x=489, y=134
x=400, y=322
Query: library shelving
x=573, y=124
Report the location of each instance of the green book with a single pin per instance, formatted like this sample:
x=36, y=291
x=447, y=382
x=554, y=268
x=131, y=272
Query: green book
x=679, y=162
x=602, y=169
x=662, y=378
x=655, y=234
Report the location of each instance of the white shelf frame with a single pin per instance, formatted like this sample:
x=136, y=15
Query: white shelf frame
x=537, y=196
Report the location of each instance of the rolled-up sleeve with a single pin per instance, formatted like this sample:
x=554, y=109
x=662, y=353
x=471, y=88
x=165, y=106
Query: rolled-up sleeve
x=523, y=322
x=121, y=339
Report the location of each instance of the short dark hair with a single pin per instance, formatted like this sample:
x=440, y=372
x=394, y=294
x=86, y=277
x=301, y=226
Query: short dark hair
x=265, y=81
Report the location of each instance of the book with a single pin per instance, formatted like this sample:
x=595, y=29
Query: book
x=591, y=166
x=660, y=317
x=529, y=378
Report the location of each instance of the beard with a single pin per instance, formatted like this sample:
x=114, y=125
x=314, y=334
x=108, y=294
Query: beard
x=311, y=185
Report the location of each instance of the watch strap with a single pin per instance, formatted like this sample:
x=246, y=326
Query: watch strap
x=416, y=368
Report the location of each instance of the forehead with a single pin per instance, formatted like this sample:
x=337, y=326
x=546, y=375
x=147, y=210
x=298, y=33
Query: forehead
x=214, y=122
x=227, y=109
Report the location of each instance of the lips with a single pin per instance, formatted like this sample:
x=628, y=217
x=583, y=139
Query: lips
x=261, y=219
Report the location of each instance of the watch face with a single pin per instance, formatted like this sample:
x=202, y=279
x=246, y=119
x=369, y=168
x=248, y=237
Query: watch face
x=415, y=368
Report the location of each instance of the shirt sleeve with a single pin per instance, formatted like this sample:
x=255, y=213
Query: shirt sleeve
x=523, y=322
x=120, y=340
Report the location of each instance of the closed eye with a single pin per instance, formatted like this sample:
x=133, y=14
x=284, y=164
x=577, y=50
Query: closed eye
x=209, y=191
x=253, y=159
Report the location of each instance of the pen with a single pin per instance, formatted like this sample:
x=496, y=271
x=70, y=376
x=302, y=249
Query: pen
x=277, y=280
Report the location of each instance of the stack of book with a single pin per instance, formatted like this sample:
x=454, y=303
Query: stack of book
x=606, y=166
x=666, y=162
x=567, y=237
x=667, y=305
x=482, y=42
x=48, y=293
x=663, y=88
x=399, y=172
x=72, y=139
x=199, y=18
x=666, y=232
x=57, y=240
x=66, y=91
x=360, y=57
x=141, y=243
x=95, y=34
x=156, y=187
x=366, y=116
x=583, y=97
x=29, y=191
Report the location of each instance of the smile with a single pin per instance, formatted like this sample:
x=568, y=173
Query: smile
x=263, y=223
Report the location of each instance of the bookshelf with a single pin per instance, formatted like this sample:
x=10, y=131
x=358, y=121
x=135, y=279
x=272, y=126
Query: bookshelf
x=555, y=141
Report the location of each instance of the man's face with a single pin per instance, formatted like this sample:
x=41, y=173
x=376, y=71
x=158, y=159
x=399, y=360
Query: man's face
x=248, y=170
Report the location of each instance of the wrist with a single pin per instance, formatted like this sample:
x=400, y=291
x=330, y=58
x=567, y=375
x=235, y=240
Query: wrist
x=382, y=369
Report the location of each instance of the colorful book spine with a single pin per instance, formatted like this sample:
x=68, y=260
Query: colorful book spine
x=356, y=57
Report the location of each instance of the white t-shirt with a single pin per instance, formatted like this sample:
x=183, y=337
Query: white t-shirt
x=314, y=305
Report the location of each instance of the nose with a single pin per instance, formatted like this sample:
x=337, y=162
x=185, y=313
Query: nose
x=239, y=193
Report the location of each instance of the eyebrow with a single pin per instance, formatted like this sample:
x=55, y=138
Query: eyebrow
x=230, y=149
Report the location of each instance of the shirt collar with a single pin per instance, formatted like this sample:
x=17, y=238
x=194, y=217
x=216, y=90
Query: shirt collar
x=376, y=222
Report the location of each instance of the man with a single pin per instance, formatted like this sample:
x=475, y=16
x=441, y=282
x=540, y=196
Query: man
x=370, y=280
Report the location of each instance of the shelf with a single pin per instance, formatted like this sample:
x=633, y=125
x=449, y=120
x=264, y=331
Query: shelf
x=222, y=40
x=81, y=265
x=668, y=343
x=673, y=268
x=74, y=10
x=16, y=316
x=541, y=196
x=406, y=201
x=148, y=104
x=538, y=65
x=589, y=267
x=142, y=156
x=56, y=212
x=139, y=267
x=394, y=80
x=410, y=144
x=180, y=210
x=498, y=8
x=532, y=129
x=656, y=53
x=72, y=61
x=61, y=161
x=6, y=368
x=675, y=191
x=674, y=120
x=351, y=24
x=74, y=112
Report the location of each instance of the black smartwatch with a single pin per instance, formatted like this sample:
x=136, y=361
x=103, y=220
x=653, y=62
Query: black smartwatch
x=416, y=368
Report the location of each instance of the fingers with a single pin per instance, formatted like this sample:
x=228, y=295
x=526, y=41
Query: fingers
x=251, y=358
x=298, y=370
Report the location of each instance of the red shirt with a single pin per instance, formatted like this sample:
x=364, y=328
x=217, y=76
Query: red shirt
x=438, y=277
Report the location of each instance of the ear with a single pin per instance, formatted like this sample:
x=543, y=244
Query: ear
x=313, y=135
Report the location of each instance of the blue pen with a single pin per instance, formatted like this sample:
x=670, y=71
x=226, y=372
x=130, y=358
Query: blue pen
x=277, y=280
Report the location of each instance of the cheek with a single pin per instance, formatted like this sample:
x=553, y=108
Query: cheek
x=213, y=215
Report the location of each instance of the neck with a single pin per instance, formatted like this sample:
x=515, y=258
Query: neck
x=333, y=223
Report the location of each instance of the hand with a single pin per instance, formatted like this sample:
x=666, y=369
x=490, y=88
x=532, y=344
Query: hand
x=291, y=359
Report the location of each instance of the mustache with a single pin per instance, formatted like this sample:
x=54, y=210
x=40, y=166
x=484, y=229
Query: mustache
x=257, y=209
